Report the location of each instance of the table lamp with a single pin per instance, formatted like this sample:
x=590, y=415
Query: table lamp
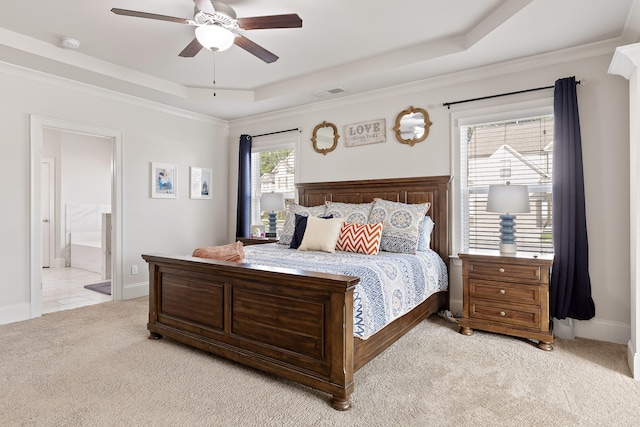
x=508, y=199
x=272, y=203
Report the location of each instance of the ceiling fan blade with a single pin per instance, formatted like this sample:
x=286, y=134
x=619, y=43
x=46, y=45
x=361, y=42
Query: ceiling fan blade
x=291, y=20
x=150, y=16
x=205, y=6
x=192, y=49
x=255, y=49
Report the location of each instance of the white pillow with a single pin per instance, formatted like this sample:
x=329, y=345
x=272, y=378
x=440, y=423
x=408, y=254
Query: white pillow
x=425, y=234
x=321, y=234
x=290, y=220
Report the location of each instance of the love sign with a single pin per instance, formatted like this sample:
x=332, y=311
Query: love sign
x=365, y=133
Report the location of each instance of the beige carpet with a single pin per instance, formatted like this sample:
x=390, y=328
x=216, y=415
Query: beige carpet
x=94, y=366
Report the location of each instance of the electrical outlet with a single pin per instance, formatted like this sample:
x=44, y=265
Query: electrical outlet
x=134, y=269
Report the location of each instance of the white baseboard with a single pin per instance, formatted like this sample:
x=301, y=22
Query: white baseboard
x=603, y=330
x=15, y=313
x=595, y=329
x=19, y=312
x=135, y=290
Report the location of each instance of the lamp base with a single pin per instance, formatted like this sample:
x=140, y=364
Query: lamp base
x=272, y=224
x=507, y=234
x=508, y=249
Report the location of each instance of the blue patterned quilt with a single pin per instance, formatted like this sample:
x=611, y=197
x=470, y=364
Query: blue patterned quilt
x=390, y=284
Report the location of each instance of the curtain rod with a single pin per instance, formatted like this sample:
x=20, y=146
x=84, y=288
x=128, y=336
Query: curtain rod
x=274, y=133
x=449, y=104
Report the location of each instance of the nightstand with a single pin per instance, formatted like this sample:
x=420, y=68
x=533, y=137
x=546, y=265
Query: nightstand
x=507, y=295
x=255, y=240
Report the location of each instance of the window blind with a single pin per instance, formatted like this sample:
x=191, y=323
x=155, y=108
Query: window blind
x=272, y=170
x=518, y=151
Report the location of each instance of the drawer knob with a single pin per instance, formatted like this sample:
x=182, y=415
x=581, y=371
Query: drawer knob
x=502, y=313
x=502, y=292
x=501, y=270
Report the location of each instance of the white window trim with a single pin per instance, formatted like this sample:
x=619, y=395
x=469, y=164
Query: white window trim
x=538, y=107
x=279, y=142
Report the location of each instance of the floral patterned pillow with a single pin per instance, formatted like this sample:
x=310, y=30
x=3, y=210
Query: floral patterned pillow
x=401, y=224
x=357, y=213
x=290, y=220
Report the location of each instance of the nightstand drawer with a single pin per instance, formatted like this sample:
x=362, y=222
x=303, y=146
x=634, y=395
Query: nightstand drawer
x=504, y=271
x=508, y=292
x=525, y=316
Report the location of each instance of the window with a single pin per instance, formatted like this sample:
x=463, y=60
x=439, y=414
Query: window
x=272, y=170
x=519, y=151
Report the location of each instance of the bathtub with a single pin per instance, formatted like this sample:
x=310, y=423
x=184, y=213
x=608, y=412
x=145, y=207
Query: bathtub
x=86, y=250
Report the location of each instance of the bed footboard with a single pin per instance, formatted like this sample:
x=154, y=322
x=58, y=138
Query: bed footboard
x=294, y=324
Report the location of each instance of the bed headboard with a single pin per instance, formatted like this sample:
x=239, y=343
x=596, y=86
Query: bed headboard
x=432, y=189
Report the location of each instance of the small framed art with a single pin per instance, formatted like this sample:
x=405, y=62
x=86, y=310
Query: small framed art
x=164, y=180
x=200, y=183
x=257, y=231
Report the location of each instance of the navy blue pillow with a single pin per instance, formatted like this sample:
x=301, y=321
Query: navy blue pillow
x=300, y=228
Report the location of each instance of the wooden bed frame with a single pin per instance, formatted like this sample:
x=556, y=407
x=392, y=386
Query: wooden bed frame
x=294, y=324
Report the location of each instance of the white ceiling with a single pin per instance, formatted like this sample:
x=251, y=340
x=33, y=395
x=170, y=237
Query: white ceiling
x=358, y=45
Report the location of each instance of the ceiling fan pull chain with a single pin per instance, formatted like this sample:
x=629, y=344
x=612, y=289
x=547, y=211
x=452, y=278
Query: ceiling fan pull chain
x=214, y=73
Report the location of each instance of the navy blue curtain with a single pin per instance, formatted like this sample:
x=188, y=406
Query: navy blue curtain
x=570, y=289
x=243, y=220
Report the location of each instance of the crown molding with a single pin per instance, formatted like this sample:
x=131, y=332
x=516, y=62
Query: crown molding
x=626, y=60
x=50, y=79
x=451, y=79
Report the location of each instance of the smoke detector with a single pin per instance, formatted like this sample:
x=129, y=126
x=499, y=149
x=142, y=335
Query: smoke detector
x=70, y=42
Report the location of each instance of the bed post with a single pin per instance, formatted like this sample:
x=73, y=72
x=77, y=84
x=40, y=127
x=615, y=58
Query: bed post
x=342, y=362
x=153, y=299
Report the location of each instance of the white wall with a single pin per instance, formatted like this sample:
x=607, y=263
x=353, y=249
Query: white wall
x=603, y=103
x=86, y=169
x=151, y=133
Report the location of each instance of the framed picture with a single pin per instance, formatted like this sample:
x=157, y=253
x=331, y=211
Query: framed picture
x=257, y=230
x=200, y=183
x=164, y=181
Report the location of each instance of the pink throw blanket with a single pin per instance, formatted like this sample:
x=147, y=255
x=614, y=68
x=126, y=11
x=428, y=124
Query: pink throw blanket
x=230, y=252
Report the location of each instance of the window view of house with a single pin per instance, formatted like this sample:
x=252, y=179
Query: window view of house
x=519, y=151
x=272, y=171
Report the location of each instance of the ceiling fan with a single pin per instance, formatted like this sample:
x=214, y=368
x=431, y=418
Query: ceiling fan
x=217, y=28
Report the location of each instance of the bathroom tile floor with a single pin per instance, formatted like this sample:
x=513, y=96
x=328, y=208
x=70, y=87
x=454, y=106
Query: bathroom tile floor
x=63, y=289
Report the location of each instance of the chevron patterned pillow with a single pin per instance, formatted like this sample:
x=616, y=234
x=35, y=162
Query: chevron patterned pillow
x=360, y=238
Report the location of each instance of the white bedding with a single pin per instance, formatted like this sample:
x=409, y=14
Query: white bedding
x=390, y=284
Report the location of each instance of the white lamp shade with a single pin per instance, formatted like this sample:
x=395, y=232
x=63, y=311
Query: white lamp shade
x=214, y=37
x=272, y=202
x=508, y=199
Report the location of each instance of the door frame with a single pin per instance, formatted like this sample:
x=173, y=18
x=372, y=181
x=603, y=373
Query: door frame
x=37, y=124
x=51, y=208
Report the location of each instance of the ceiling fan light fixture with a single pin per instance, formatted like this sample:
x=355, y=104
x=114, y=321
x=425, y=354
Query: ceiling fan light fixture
x=214, y=37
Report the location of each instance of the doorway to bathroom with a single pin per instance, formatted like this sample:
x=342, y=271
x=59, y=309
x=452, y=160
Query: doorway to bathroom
x=76, y=210
x=76, y=219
